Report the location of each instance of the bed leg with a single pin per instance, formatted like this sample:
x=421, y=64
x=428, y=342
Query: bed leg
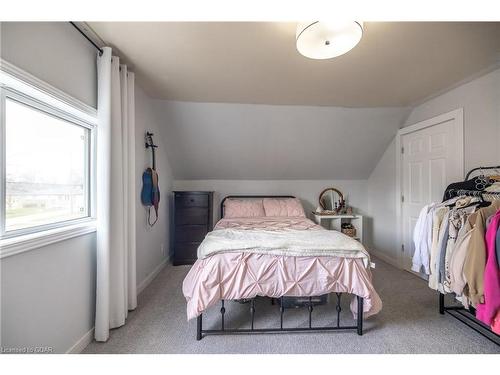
x=360, y=315
x=199, y=327
x=441, y=303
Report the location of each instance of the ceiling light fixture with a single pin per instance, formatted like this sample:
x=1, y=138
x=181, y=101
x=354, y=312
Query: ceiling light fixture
x=324, y=40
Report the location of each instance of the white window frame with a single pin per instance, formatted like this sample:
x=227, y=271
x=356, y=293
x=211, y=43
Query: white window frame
x=20, y=86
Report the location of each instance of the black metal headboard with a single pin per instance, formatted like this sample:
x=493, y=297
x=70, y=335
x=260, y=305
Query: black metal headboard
x=248, y=196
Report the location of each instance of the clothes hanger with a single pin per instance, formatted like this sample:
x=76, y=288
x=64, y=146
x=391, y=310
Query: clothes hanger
x=495, y=177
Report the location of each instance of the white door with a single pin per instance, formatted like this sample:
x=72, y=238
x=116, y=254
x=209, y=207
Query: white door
x=431, y=159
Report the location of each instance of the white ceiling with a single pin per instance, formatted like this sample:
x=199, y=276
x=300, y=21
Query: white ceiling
x=395, y=64
x=243, y=141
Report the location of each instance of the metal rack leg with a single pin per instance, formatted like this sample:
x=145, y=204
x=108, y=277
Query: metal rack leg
x=199, y=327
x=360, y=315
x=441, y=303
x=282, y=311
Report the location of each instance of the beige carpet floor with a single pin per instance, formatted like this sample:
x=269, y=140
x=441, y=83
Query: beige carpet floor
x=408, y=323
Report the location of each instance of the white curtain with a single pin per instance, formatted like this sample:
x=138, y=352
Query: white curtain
x=116, y=292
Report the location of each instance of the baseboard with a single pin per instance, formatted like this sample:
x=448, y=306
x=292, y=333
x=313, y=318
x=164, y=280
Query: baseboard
x=86, y=339
x=144, y=283
x=385, y=258
x=82, y=343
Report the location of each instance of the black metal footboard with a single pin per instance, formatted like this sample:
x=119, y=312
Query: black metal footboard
x=200, y=332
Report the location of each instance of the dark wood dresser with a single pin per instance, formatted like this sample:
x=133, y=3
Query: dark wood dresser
x=193, y=219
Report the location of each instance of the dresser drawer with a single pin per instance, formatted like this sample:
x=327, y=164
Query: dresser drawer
x=191, y=215
x=190, y=233
x=192, y=220
x=186, y=253
x=191, y=200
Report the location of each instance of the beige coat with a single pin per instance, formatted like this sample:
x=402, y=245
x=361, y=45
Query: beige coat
x=458, y=218
x=457, y=260
x=475, y=261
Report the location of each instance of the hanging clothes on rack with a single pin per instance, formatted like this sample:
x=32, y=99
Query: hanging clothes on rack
x=457, y=219
x=478, y=183
x=432, y=240
x=475, y=261
x=423, y=234
x=422, y=239
x=497, y=246
x=487, y=310
x=457, y=243
x=457, y=277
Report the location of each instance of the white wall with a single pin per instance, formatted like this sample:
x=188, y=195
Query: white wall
x=54, y=52
x=150, y=240
x=480, y=99
x=271, y=142
x=48, y=294
x=306, y=190
x=381, y=187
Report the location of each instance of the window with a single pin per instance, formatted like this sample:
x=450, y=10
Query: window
x=45, y=167
x=47, y=159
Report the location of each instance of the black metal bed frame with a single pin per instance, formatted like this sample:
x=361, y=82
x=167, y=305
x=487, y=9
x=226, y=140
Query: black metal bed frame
x=201, y=332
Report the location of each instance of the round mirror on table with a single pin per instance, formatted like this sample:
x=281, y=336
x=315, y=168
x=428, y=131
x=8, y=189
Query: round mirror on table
x=331, y=201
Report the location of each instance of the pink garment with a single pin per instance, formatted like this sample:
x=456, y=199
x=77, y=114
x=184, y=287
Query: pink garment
x=237, y=275
x=486, y=311
x=283, y=207
x=243, y=208
x=495, y=324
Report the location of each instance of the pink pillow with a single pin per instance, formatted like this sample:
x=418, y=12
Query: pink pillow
x=243, y=208
x=283, y=207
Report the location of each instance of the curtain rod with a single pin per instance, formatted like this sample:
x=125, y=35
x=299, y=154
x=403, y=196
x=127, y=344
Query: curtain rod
x=86, y=37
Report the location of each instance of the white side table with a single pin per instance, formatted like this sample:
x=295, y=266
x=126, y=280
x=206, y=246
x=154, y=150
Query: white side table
x=335, y=223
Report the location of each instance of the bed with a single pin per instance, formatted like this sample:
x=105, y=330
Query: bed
x=277, y=256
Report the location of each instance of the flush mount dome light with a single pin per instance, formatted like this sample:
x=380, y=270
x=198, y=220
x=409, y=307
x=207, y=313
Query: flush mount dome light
x=324, y=40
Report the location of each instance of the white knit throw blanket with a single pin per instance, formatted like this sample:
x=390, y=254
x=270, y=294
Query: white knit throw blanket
x=288, y=242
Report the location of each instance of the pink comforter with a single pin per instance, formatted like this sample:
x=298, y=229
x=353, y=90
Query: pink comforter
x=238, y=275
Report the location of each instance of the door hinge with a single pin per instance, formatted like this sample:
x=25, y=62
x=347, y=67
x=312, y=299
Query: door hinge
x=402, y=150
x=402, y=248
x=402, y=198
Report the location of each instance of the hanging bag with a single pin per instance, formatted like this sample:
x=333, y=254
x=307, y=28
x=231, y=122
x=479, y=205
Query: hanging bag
x=150, y=193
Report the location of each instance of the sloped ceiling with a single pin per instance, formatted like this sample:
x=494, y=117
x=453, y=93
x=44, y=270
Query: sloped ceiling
x=395, y=64
x=302, y=118
x=241, y=141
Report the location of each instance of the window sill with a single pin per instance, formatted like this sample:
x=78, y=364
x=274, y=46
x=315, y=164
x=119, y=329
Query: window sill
x=28, y=242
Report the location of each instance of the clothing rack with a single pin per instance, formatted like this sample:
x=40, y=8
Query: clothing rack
x=459, y=312
x=474, y=193
x=468, y=317
x=480, y=169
